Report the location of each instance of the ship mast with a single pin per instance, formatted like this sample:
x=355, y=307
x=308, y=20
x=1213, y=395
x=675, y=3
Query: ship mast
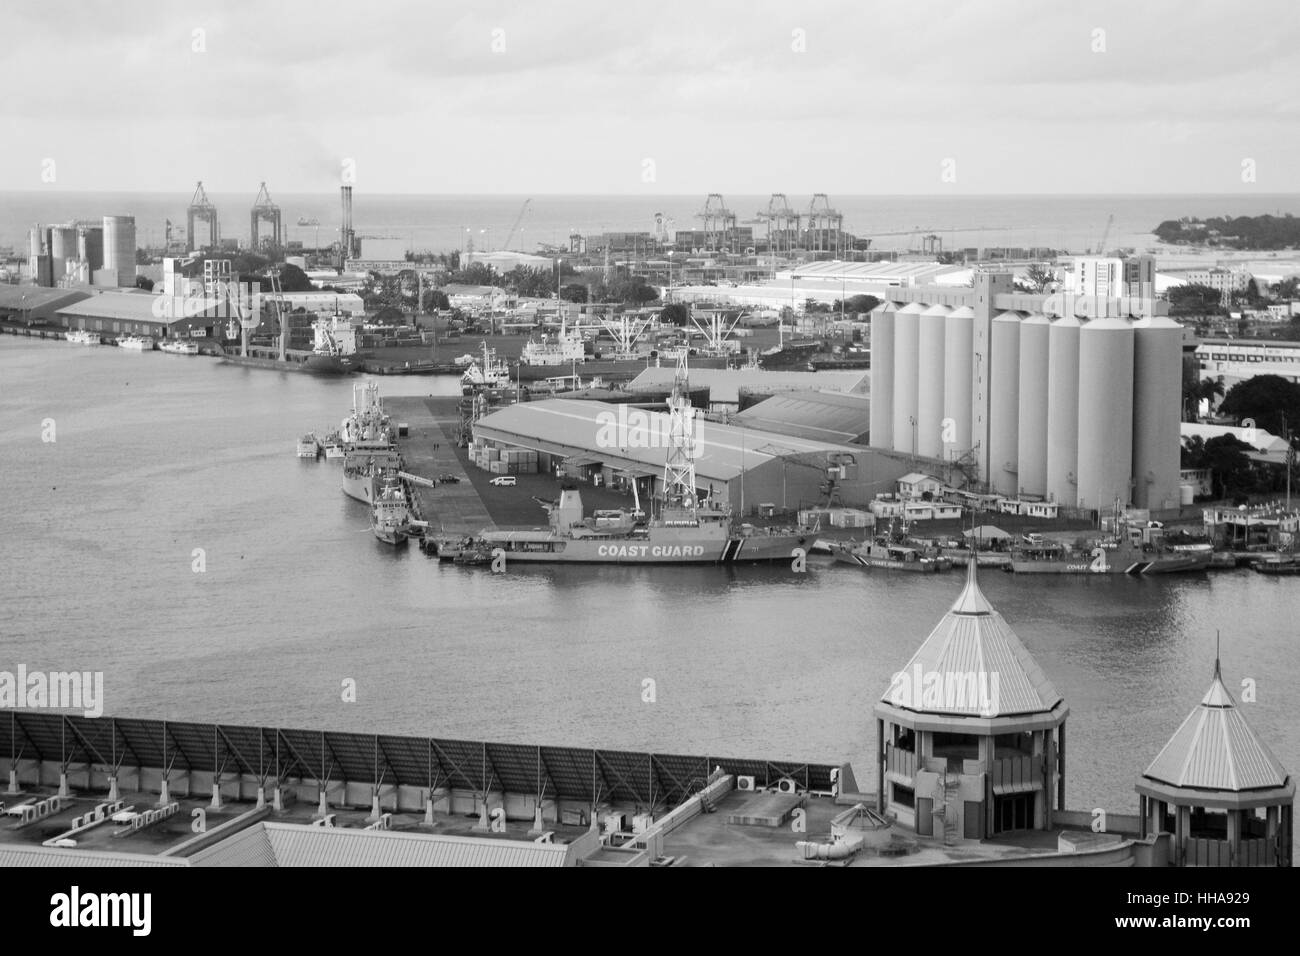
x=679, y=468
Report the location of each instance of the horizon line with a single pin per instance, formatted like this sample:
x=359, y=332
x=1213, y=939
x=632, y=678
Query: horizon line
x=641, y=195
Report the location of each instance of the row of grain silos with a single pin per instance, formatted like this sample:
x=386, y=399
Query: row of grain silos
x=1079, y=412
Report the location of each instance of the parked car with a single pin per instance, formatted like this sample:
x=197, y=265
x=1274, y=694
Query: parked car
x=449, y=479
x=504, y=481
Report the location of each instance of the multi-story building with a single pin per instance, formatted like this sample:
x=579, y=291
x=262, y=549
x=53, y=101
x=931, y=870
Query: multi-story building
x=1113, y=277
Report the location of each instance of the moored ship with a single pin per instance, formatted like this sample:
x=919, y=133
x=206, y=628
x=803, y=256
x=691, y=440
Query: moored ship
x=890, y=555
x=1110, y=557
x=179, y=347
x=309, y=446
x=136, y=343
x=390, y=515
x=82, y=337
x=678, y=535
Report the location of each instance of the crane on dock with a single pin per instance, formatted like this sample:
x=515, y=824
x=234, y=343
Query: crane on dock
x=523, y=210
x=201, y=209
x=1105, y=234
x=265, y=209
x=719, y=224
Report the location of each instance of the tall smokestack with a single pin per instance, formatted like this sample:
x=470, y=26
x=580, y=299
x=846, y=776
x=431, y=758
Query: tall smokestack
x=346, y=233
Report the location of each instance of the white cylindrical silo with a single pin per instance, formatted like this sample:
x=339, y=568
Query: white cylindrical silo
x=1063, y=411
x=1004, y=402
x=35, y=242
x=882, y=376
x=1157, y=401
x=958, y=361
x=1105, y=412
x=906, y=345
x=929, y=381
x=1031, y=457
x=119, y=248
x=63, y=246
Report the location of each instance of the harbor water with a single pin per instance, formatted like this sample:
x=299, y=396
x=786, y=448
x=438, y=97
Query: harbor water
x=169, y=537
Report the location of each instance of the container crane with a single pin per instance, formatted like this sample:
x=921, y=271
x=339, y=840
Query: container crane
x=201, y=209
x=265, y=209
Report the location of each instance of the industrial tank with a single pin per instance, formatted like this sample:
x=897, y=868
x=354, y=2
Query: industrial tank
x=882, y=376
x=1063, y=411
x=119, y=248
x=63, y=247
x=1031, y=457
x=958, y=360
x=1157, y=401
x=90, y=246
x=1004, y=392
x=906, y=345
x=1105, y=412
x=929, y=381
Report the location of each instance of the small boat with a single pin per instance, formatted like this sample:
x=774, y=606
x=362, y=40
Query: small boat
x=882, y=553
x=179, y=347
x=333, y=444
x=136, y=343
x=82, y=337
x=309, y=446
x=1283, y=565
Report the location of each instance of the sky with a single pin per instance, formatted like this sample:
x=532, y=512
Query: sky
x=672, y=97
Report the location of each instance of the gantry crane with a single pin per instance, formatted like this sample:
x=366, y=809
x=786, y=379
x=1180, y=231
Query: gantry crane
x=825, y=225
x=265, y=209
x=201, y=208
x=719, y=224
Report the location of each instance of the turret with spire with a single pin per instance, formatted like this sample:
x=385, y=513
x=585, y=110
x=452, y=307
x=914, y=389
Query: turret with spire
x=970, y=736
x=1216, y=790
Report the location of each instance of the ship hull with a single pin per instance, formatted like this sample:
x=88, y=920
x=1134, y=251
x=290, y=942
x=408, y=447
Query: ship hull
x=857, y=559
x=656, y=548
x=393, y=536
x=606, y=368
x=1132, y=564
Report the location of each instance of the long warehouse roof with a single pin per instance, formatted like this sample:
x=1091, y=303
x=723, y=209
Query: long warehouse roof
x=820, y=416
x=131, y=306
x=723, y=451
x=724, y=384
x=36, y=297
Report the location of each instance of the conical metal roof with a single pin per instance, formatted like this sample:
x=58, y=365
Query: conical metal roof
x=1215, y=749
x=973, y=646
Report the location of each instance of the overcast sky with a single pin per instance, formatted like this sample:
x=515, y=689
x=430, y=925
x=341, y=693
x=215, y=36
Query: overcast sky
x=661, y=96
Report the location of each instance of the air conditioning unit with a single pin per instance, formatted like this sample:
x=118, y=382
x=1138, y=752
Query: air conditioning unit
x=745, y=783
x=786, y=785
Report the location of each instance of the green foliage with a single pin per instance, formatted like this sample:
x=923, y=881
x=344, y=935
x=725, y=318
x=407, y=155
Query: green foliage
x=144, y=282
x=435, y=299
x=1233, y=232
x=293, y=279
x=574, y=292
x=674, y=313
x=1271, y=401
x=1194, y=300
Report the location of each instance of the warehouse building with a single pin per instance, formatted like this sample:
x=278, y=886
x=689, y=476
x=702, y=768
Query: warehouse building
x=1070, y=399
x=837, y=417
x=33, y=305
x=727, y=387
x=743, y=468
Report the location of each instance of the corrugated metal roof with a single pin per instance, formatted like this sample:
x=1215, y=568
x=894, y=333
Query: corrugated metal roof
x=1215, y=749
x=248, y=847
x=131, y=306
x=723, y=450
x=37, y=297
x=724, y=384
x=296, y=845
x=17, y=855
x=973, y=640
x=821, y=416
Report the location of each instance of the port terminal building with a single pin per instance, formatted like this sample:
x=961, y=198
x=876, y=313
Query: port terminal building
x=1066, y=398
x=739, y=467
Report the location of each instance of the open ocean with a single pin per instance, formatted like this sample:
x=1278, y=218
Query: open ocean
x=440, y=223
x=157, y=455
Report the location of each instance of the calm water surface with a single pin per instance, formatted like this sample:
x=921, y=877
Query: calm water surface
x=157, y=455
